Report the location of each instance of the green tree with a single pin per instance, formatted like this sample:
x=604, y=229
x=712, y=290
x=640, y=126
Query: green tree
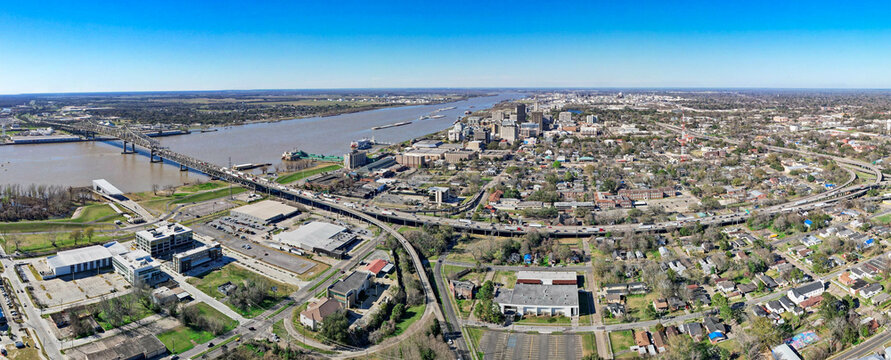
x=336, y=327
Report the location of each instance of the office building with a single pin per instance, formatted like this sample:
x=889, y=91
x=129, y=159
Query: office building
x=537, y=117
x=346, y=291
x=198, y=256
x=521, y=113
x=564, y=117
x=164, y=239
x=509, y=131
x=355, y=159
x=529, y=129
x=138, y=267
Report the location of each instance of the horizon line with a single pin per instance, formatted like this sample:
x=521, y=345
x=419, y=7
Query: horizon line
x=531, y=88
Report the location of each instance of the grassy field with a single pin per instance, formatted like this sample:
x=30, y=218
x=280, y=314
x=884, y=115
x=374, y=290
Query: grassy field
x=884, y=219
x=279, y=329
x=508, y=278
x=589, y=344
x=210, y=185
x=209, y=195
x=140, y=313
x=239, y=275
x=544, y=320
x=292, y=177
x=183, y=338
x=412, y=314
x=209, y=311
x=475, y=334
x=621, y=340
x=50, y=225
x=95, y=212
x=37, y=243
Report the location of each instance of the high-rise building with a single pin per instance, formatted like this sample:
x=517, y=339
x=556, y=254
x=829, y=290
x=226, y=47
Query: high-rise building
x=564, y=117
x=521, y=113
x=497, y=116
x=354, y=159
x=538, y=118
x=591, y=119
x=509, y=131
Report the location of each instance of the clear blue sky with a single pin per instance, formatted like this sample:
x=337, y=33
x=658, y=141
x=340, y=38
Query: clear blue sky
x=72, y=46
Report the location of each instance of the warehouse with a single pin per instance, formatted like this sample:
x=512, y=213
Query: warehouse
x=78, y=260
x=319, y=237
x=532, y=299
x=264, y=212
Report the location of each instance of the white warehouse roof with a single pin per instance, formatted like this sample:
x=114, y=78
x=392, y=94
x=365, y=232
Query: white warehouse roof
x=315, y=235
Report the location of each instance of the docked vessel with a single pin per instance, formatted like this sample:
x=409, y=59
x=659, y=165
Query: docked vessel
x=361, y=144
x=446, y=108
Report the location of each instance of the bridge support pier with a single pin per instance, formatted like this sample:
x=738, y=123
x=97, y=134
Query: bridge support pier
x=155, y=158
x=183, y=167
x=132, y=148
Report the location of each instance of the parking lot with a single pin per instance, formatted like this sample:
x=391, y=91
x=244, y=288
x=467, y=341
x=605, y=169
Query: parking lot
x=502, y=345
x=60, y=291
x=275, y=257
x=209, y=207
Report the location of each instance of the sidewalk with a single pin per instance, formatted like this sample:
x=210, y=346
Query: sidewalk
x=209, y=300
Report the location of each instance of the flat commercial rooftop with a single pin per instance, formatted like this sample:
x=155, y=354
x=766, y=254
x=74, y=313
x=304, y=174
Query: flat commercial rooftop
x=316, y=235
x=539, y=295
x=78, y=256
x=266, y=210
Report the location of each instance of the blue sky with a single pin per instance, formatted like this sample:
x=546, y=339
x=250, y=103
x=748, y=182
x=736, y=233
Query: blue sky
x=48, y=46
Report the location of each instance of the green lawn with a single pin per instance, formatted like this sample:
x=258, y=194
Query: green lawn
x=412, y=314
x=44, y=242
x=279, y=329
x=621, y=340
x=508, y=278
x=209, y=195
x=140, y=313
x=475, y=334
x=95, y=212
x=210, y=185
x=208, y=311
x=183, y=338
x=49, y=225
x=884, y=219
x=238, y=275
x=292, y=177
x=544, y=320
x=589, y=344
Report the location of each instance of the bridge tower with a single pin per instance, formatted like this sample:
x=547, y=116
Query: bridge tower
x=153, y=155
x=132, y=148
